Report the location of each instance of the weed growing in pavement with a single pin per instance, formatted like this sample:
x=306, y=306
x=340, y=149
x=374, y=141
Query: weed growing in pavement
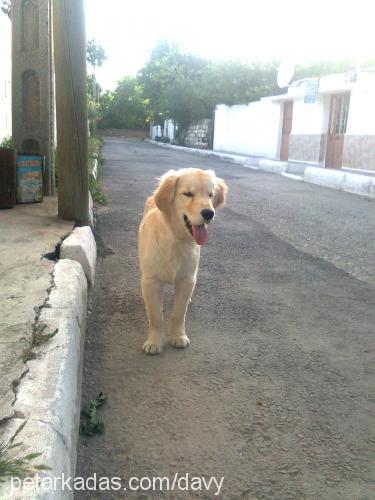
x=89, y=424
x=38, y=337
x=16, y=467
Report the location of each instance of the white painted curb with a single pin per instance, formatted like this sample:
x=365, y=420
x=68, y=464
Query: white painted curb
x=274, y=166
x=80, y=245
x=352, y=183
x=241, y=160
x=349, y=182
x=49, y=394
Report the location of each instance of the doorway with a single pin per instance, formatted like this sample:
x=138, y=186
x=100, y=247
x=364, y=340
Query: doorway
x=287, y=128
x=338, y=118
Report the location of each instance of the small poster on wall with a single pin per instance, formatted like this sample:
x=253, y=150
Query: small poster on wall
x=311, y=93
x=29, y=178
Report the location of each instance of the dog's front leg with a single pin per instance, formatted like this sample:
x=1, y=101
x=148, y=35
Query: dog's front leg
x=183, y=291
x=152, y=291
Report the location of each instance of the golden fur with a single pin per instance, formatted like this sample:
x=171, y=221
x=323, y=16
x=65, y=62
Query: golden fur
x=169, y=252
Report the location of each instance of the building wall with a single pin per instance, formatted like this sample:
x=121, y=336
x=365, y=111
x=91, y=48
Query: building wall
x=359, y=142
x=308, y=140
x=5, y=77
x=310, y=121
x=32, y=83
x=252, y=129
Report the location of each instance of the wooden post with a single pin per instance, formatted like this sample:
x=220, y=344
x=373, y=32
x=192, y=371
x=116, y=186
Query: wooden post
x=69, y=41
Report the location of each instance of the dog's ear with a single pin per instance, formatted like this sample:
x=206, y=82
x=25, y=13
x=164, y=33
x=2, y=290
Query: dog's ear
x=166, y=191
x=220, y=193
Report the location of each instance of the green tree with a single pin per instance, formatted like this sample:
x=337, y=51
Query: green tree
x=95, y=57
x=187, y=88
x=126, y=107
x=95, y=54
x=156, y=75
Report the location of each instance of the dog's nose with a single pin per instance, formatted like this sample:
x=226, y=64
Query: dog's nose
x=207, y=214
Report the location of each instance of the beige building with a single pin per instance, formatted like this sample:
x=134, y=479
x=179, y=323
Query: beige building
x=5, y=77
x=325, y=121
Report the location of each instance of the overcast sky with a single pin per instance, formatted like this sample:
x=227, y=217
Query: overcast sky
x=229, y=29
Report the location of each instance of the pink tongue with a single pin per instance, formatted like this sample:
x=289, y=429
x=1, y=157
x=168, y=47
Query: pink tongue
x=200, y=234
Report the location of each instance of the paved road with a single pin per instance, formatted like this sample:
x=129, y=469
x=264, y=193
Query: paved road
x=276, y=392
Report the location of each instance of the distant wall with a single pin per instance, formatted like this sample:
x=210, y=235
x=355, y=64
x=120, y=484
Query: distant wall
x=252, y=129
x=168, y=130
x=5, y=77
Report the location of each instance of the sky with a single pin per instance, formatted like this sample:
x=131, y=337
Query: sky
x=289, y=30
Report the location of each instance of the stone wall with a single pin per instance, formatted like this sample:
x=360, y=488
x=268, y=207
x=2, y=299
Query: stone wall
x=198, y=134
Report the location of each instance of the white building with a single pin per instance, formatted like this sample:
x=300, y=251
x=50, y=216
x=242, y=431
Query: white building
x=5, y=77
x=327, y=122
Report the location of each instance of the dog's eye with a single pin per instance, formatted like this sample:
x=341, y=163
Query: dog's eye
x=189, y=194
x=210, y=195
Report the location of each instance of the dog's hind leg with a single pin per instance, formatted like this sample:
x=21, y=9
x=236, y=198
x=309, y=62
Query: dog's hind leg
x=183, y=291
x=152, y=291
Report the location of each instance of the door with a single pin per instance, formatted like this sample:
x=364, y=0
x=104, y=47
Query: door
x=338, y=119
x=287, y=128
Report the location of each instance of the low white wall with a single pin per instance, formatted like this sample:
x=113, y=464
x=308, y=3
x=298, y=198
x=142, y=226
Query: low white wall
x=251, y=129
x=168, y=130
x=155, y=130
x=5, y=77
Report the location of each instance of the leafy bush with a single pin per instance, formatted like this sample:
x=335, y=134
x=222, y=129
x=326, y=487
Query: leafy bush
x=7, y=143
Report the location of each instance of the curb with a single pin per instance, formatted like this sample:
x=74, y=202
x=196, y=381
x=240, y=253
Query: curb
x=80, y=246
x=351, y=183
x=361, y=185
x=238, y=159
x=49, y=394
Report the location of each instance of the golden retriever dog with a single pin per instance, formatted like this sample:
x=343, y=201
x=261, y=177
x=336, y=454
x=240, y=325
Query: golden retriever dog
x=173, y=228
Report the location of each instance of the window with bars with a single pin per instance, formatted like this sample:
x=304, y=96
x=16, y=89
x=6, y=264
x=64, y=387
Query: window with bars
x=340, y=111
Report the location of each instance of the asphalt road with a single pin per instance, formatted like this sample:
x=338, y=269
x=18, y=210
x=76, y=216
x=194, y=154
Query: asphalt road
x=276, y=392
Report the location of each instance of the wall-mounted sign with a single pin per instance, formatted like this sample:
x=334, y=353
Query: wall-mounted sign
x=311, y=93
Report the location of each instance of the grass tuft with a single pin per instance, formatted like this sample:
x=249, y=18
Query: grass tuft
x=17, y=467
x=38, y=337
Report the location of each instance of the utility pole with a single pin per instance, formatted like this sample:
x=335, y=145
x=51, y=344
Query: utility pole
x=69, y=42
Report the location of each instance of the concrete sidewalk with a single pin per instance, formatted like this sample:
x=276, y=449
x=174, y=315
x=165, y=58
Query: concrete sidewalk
x=40, y=376
x=27, y=232
x=361, y=183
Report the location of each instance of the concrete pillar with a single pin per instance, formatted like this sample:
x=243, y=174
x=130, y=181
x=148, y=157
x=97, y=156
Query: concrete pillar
x=69, y=42
x=32, y=83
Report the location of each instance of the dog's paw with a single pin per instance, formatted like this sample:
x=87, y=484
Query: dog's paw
x=180, y=342
x=150, y=347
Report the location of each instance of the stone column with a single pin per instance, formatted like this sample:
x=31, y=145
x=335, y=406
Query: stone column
x=32, y=83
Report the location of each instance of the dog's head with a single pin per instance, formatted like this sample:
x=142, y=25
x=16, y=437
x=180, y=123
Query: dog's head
x=189, y=198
